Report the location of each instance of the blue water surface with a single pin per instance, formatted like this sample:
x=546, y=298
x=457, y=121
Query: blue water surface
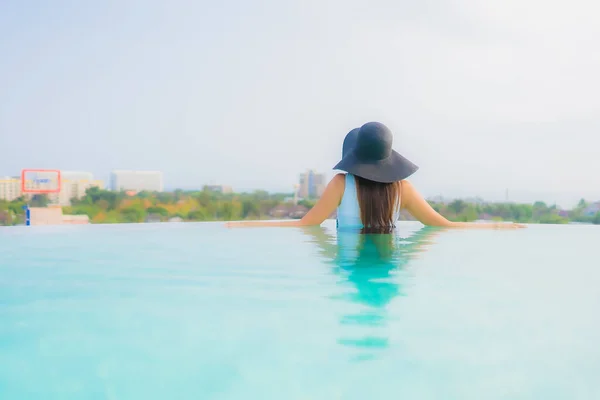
x=199, y=311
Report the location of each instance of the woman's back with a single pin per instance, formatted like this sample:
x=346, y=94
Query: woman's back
x=348, y=212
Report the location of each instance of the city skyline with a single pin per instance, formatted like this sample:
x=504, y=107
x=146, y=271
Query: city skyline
x=505, y=195
x=564, y=199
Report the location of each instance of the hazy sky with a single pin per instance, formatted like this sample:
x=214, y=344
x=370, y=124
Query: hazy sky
x=482, y=95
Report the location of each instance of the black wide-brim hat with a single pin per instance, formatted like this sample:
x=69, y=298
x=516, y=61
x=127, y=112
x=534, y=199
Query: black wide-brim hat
x=373, y=158
x=349, y=142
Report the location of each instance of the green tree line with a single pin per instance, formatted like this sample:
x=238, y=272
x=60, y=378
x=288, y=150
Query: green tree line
x=103, y=206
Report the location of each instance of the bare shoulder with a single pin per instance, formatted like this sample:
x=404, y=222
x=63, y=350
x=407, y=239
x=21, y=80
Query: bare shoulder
x=406, y=185
x=339, y=178
x=407, y=191
x=338, y=182
x=336, y=186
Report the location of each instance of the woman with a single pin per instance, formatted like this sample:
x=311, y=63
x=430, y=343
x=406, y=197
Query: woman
x=374, y=190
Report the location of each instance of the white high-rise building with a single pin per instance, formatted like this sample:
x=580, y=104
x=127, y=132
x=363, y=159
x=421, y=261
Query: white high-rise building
x=137, y=181
x=312, y=185
x=10, y=188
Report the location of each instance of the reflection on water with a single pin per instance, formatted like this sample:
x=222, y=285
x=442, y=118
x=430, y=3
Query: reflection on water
x=369, y=267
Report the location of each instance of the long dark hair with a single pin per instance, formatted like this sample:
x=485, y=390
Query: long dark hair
x=377, y=202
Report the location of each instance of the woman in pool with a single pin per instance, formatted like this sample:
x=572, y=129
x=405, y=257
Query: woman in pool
x=374, y=189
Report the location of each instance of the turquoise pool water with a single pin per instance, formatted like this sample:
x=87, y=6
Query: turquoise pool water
x=198, y=311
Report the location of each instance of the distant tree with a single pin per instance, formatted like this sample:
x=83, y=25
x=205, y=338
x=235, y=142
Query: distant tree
x=113, y=217
x=206, y=197
x=5, y=217
x=103, y=204
x=39, y=200
x=539, y=211
x=469, y=213
x=308, y=203
x=165, y=197
x=197, y=215
x=261, y=195
x=158, y=210
x=144, y=194
x=520, y=212
x=250, y=209
x=553, y=219
x=230, y=210
x=16, y=206
x=94, y=194
x=178, y=194
x=133, y=214
x=457, y=206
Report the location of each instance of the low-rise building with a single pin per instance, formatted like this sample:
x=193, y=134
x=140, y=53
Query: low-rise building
x=53, y=215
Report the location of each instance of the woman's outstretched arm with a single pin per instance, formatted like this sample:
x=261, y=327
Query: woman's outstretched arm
x=419, y=208
x=326, y=205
